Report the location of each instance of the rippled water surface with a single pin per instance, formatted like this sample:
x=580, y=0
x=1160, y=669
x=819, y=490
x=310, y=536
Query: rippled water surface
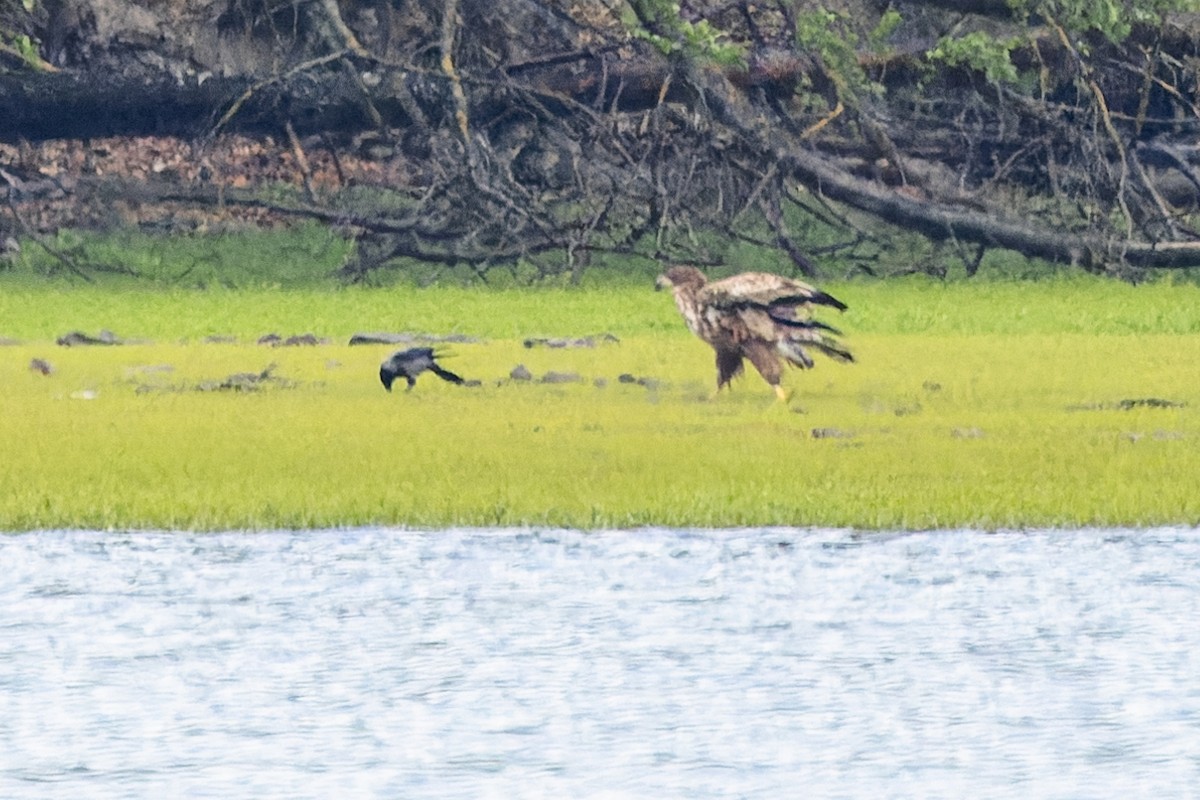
x=653, y=663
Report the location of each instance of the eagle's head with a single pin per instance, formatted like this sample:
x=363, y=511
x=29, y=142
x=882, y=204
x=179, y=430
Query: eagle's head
x=681, y=277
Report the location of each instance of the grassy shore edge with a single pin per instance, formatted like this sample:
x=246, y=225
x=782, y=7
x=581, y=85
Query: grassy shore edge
x=997, y=406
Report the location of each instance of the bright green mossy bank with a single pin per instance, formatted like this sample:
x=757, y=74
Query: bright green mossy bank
x=988, y=405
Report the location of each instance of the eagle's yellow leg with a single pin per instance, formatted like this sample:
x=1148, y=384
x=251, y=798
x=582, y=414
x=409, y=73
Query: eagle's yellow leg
x=783, y=394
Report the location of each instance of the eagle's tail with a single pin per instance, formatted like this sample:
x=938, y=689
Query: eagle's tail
x=823, y=299
x=811, y=297
x=834, y=350
x=793, y=349
x=794, y=353
x=804, y=324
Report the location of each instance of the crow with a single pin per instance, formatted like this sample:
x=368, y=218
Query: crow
x=408, y=364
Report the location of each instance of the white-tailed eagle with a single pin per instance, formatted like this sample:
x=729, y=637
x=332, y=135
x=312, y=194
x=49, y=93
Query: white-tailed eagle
x=757, y=316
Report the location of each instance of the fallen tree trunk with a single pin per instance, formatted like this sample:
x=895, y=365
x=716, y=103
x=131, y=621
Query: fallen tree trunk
x=68, y=105
x=965, y=225
x=823, y=177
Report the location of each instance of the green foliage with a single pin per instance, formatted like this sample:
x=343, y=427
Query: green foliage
x=659, y=22
x=888, y=22
x=19, y=44
x=831, y=35
x=979, y=51
x=1112, y=18
x=24, y=46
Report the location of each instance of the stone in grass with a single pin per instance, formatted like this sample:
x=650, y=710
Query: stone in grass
x=582, y=341
x=1129, y=404
x=649, y=383
x=831, y=433
x=245, y=381
x=520, y=373
x=298, y=340
x=412, y=338
x=562, y=377
x=79, y=338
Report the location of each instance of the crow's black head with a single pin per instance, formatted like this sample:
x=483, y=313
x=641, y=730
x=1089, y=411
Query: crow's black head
x=387, y=377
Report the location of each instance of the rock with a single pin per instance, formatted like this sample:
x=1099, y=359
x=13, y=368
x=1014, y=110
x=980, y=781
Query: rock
x=297, y=340
x=584, y=341
x=304, y=339
x=410, y=338
x=649, y=383
x=562, y=377
x=520, y=373
x=1148, y=402
x=244, y=381
x=41, y=366
x=1129, y=404
x=79, y=338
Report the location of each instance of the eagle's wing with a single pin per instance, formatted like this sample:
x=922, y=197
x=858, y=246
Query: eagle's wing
x=764, y=291
x=760, y=307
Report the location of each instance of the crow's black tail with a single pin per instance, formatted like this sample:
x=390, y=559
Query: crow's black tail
x=444, y=374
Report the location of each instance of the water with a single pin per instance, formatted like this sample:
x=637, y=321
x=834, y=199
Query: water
x=656, y=663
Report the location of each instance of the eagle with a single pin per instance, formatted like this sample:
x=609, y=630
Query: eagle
x=757, y=316
x=410, y=363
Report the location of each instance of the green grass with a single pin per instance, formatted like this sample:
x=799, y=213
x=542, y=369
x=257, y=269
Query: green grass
x=992, y=405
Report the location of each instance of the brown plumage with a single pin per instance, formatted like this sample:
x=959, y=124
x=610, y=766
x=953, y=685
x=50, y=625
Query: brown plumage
x=757, y=316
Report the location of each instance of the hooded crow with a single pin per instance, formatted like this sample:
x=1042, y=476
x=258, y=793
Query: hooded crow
x=408, y=364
